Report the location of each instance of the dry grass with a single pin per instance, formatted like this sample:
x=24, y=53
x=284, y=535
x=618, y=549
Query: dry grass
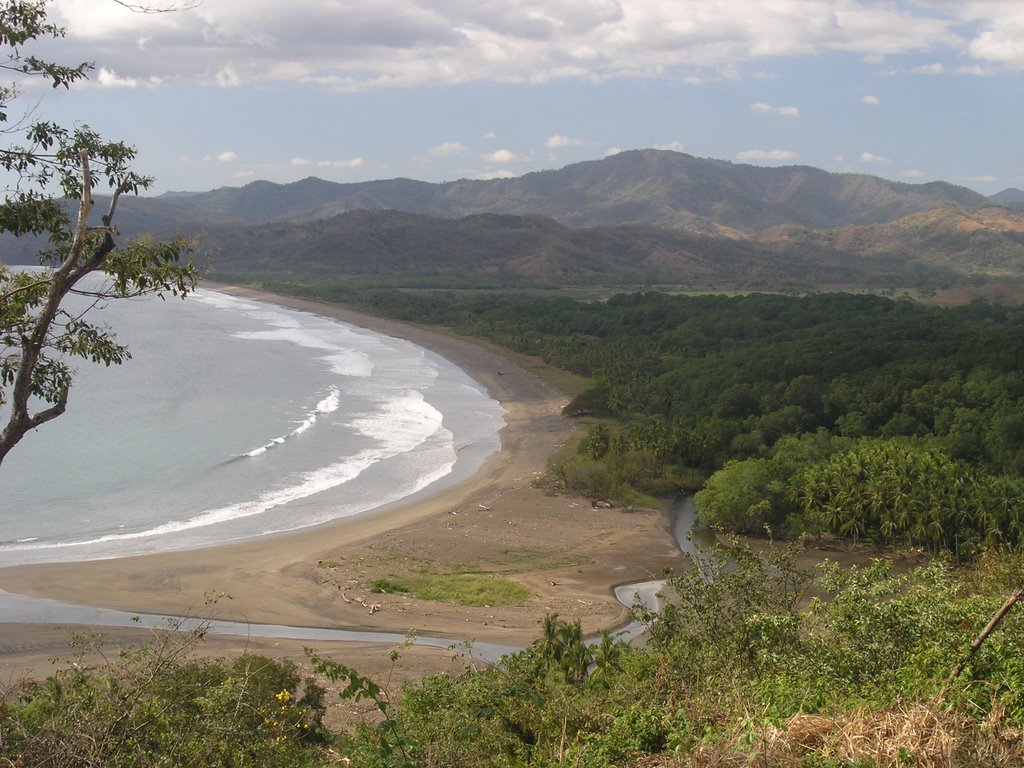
x=915, y=735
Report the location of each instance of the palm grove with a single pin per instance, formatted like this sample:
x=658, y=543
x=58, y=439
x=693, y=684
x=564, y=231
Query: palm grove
x=857, y=416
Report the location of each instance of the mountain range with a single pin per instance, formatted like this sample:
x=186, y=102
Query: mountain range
x=638, y=217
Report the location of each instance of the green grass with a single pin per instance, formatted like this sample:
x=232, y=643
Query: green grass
x=470, y=589
x=387, y=587
x=461, y=588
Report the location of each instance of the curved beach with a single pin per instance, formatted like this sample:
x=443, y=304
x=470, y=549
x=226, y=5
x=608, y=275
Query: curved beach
x=570, y=555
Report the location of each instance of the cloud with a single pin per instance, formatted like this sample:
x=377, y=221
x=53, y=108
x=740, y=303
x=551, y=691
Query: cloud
x=447, y=149
x=767, y=154
x=870, y=157
x=871, y=100
x=929, y=69
x=227, y=77
x=497, y=174
x=352, y=46
x=1003, y=41
x=612, y=151
x=913, y=173
x=227, y=157
x=557, y=141
x=502, y=156
x=355, y=162
x=768, y=109
x=673, y=146
x=108, y=78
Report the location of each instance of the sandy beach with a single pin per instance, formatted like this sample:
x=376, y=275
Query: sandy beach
x=569, y=554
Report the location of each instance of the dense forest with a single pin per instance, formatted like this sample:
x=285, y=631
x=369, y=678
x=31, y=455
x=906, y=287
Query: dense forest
x=859, y=416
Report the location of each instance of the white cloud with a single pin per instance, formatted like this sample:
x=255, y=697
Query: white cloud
x=1003, y=41
x=227, y=157
x=227, y=77
x=612, y=151
x=557, y=141
x=447, y=149
x=355, y=162
x=354, y=46
x=768, y=109
x=913, y=174
x=502, y=156
x=299, y=162
x=673, y=146
x=108, y=78
x=871, y=157
x=498, y=174
x=872, y=100
x=767, y=154
x=489, y=136
x=243, y=174
x=929, y=69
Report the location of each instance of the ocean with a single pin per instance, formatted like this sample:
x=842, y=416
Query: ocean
x=236, y=419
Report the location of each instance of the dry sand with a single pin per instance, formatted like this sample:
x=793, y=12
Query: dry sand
x=569, y=554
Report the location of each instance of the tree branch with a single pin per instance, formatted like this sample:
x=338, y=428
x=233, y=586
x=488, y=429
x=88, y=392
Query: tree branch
x=983, y=635
x=172, y=8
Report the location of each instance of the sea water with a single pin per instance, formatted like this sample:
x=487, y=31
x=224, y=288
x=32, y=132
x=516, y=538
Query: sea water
x=235, y=419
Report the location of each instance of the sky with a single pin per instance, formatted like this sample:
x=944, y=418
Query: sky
x=217, y=93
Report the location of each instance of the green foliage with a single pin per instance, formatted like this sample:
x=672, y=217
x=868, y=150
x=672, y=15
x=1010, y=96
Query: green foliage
x=907, y=492
x=159, y=705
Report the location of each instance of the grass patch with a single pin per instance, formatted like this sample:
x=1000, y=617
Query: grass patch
x=461, y=588
x=387, y=587
x=470, y=589
x=520, y=561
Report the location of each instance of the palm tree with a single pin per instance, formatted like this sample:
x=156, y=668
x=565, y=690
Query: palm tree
x=550, y=642
x=605, y=657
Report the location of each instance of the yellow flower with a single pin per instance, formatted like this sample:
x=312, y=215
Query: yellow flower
x=283, y=696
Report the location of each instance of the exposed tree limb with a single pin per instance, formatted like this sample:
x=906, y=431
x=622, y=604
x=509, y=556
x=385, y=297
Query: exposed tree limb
x=981, y=638
x=146, y=8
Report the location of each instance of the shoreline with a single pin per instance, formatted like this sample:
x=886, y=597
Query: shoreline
x=568, y=554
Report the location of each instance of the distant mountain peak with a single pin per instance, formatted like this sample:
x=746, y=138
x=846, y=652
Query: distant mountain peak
x=1009, y=196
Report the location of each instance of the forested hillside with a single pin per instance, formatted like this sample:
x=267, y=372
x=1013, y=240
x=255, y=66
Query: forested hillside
x=517, y=251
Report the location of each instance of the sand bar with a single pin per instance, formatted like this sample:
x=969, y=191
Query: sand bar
x=569, y=554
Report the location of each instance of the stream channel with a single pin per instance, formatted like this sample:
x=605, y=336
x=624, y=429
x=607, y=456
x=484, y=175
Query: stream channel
x=36, y=610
